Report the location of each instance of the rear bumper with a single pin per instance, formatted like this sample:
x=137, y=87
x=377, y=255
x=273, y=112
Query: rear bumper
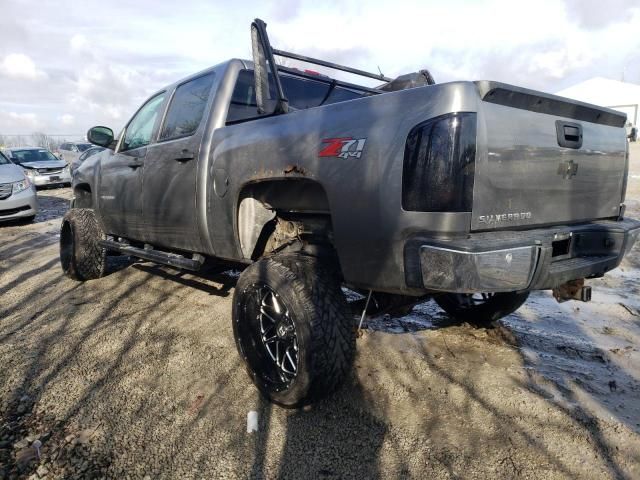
x=504, y=261
x=19, y=205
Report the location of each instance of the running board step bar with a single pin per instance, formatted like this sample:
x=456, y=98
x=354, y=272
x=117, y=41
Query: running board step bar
x=148, y=253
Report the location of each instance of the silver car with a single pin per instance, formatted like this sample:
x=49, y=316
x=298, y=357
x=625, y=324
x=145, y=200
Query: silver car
x=41, y=166
x=71, y=151
x=17, y=193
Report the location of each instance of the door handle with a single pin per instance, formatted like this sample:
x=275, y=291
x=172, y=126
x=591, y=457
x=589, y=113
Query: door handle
x=134, y=165
x=185, y=156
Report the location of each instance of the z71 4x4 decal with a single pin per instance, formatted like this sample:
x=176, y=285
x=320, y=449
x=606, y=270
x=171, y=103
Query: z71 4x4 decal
x=343, y=147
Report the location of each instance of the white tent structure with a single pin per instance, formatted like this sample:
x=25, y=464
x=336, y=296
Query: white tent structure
x=621, y=96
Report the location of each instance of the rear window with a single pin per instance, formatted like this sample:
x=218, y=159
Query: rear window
x=26, y=156
x=187, y=107
x=302, y=93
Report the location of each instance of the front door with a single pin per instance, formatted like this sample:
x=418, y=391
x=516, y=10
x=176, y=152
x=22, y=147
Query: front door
x=170, y=171
x=121, y=177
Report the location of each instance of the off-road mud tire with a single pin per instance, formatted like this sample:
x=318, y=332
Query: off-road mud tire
x=483, y=315
x=324, y=328
x=81, y=256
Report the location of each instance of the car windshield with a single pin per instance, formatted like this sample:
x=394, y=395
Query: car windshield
x=32, y=155
x=84, y=146
x=4, y=160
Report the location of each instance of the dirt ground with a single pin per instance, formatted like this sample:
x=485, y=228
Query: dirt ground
x=136, y=376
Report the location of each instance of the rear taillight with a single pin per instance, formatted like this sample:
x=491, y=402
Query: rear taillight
x=439, y=158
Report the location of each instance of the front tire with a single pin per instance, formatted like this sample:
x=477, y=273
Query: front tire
x=81, y=255
x=292, y=328
x=481, y=309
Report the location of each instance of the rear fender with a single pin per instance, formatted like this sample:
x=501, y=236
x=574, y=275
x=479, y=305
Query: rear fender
x=260, y=202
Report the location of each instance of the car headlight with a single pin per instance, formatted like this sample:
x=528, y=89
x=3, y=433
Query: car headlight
x=30, y=172
x=67, y=168
x=21, y=185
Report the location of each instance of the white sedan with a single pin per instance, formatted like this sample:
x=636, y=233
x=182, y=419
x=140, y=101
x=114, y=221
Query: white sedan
x=17, y=193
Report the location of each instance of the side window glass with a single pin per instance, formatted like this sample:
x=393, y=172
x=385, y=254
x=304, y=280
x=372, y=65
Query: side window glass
x=140, y=128
x=187, y=108
x=243, y=101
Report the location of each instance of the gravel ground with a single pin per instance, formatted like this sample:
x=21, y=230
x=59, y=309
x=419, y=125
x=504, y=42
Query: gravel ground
x=136, y=375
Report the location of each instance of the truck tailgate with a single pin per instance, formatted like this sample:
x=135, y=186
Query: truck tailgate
x=544, y=159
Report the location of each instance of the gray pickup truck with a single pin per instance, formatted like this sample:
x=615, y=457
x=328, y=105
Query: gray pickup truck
x=472, y=193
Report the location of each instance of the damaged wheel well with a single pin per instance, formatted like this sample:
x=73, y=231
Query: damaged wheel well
x=82, y=196
x=275, y=214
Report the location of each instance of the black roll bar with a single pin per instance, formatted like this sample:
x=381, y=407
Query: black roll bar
x=335, y=66
x=261, y=30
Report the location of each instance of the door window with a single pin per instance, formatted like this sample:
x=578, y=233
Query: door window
x=187, y=107
x=140, y=128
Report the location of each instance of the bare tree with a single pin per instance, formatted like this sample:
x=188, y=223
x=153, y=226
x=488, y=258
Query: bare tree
x=40, y=139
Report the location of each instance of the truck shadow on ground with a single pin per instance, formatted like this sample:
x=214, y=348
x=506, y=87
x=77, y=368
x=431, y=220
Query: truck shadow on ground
x=90, y=426
x=502, y=439
x=62, y=341
x=157, y=386
x=218, y=275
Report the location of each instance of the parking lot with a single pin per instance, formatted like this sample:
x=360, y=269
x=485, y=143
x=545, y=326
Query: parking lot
x=136, y=375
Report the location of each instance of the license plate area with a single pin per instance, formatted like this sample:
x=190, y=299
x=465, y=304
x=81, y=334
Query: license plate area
x=54, y=178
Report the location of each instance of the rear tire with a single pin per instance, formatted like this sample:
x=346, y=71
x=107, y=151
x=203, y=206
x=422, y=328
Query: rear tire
x=481, y=312
x=293, y=304
x=81, y=256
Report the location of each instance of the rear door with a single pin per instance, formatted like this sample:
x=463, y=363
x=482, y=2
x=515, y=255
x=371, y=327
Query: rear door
x=120, y=191
x=171, y=167
x=546, y=160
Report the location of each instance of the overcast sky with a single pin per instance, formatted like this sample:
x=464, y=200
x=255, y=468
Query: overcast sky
x=66, y=65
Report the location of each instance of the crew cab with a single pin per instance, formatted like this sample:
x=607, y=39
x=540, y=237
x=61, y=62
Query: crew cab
x=473, y=193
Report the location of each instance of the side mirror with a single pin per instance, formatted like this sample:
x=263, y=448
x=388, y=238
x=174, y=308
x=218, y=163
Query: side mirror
x=101, y=136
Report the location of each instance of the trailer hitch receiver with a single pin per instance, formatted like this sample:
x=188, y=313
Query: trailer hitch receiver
x=572, y=290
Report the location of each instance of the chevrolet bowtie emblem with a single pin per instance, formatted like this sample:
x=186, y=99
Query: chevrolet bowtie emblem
x=568, y=169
